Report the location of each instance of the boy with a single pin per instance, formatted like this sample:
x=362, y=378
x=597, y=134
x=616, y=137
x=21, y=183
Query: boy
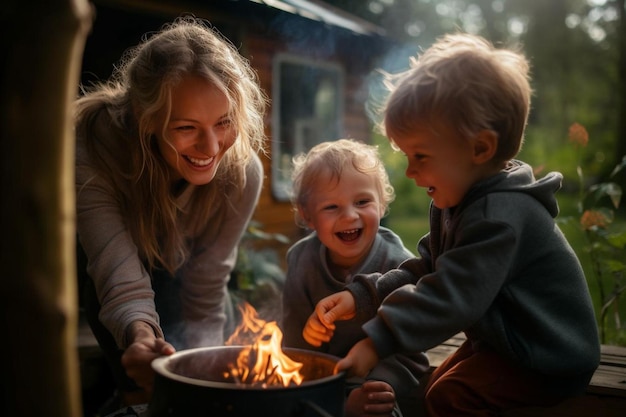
x=341, y=191
x=494, y=264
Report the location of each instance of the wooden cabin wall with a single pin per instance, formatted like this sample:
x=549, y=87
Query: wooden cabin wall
x=260, y=47
x=275, y=216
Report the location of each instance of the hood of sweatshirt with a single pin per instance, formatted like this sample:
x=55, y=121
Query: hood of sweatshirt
x=518, y=176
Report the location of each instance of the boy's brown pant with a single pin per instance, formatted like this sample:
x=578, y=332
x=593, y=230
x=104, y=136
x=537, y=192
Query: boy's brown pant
x=483, y=383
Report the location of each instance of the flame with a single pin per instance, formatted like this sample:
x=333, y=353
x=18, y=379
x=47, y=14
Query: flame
x=261, y=361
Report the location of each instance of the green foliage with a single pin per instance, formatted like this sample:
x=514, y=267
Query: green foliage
x=605, y=241
x=408, y=213
x=414, y=201
x=257, y=277
x=574, y=50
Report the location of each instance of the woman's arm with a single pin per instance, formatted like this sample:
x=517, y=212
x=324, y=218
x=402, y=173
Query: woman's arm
x=122, y=284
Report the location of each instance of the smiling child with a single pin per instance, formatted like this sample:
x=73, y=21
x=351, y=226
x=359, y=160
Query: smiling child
x=341, y=191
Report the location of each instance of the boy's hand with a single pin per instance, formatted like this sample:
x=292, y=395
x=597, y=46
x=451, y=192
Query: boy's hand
x=360, y=359
x=338, y=306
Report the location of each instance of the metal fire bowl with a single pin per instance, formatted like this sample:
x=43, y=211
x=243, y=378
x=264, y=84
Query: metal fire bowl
x=191, y=383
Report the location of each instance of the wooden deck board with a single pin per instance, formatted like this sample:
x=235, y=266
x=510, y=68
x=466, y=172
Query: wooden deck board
x=609, y=380
x=615, y=355
x=606, y=394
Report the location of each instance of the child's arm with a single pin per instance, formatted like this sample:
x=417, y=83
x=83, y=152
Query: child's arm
x=297, y=308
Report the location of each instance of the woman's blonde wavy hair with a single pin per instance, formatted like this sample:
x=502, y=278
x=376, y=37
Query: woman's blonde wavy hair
x=117, y=119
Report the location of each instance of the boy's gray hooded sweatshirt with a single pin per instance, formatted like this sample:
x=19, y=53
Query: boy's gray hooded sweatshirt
x=498, y=268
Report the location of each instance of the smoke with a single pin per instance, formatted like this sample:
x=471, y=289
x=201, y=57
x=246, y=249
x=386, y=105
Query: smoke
x=305, y=35
x=394, y=61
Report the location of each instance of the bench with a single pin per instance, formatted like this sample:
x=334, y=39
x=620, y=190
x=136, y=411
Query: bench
x=605, y=396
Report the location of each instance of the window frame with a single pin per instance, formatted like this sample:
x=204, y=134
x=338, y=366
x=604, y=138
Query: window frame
x=280, y=181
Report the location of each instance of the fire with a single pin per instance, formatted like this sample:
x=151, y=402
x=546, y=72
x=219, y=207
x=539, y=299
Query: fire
x=261, y=361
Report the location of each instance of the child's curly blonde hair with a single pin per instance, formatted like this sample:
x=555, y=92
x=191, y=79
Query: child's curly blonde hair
x=333, y=157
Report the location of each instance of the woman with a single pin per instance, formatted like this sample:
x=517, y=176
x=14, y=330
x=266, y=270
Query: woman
x=167, y=178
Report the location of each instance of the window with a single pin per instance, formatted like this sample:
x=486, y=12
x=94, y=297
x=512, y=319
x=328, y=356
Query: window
x=307, y=109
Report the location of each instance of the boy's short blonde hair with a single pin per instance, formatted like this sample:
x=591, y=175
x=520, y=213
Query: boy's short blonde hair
x=464, y=81
x=332, y=158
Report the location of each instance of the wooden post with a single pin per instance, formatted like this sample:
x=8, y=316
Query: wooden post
x=42, y=43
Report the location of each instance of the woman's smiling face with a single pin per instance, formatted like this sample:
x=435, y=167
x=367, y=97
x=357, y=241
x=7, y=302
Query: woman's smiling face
x=199, y=131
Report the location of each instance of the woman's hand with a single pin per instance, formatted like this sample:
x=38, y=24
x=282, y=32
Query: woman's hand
x=143, y=349
x=373, y=398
